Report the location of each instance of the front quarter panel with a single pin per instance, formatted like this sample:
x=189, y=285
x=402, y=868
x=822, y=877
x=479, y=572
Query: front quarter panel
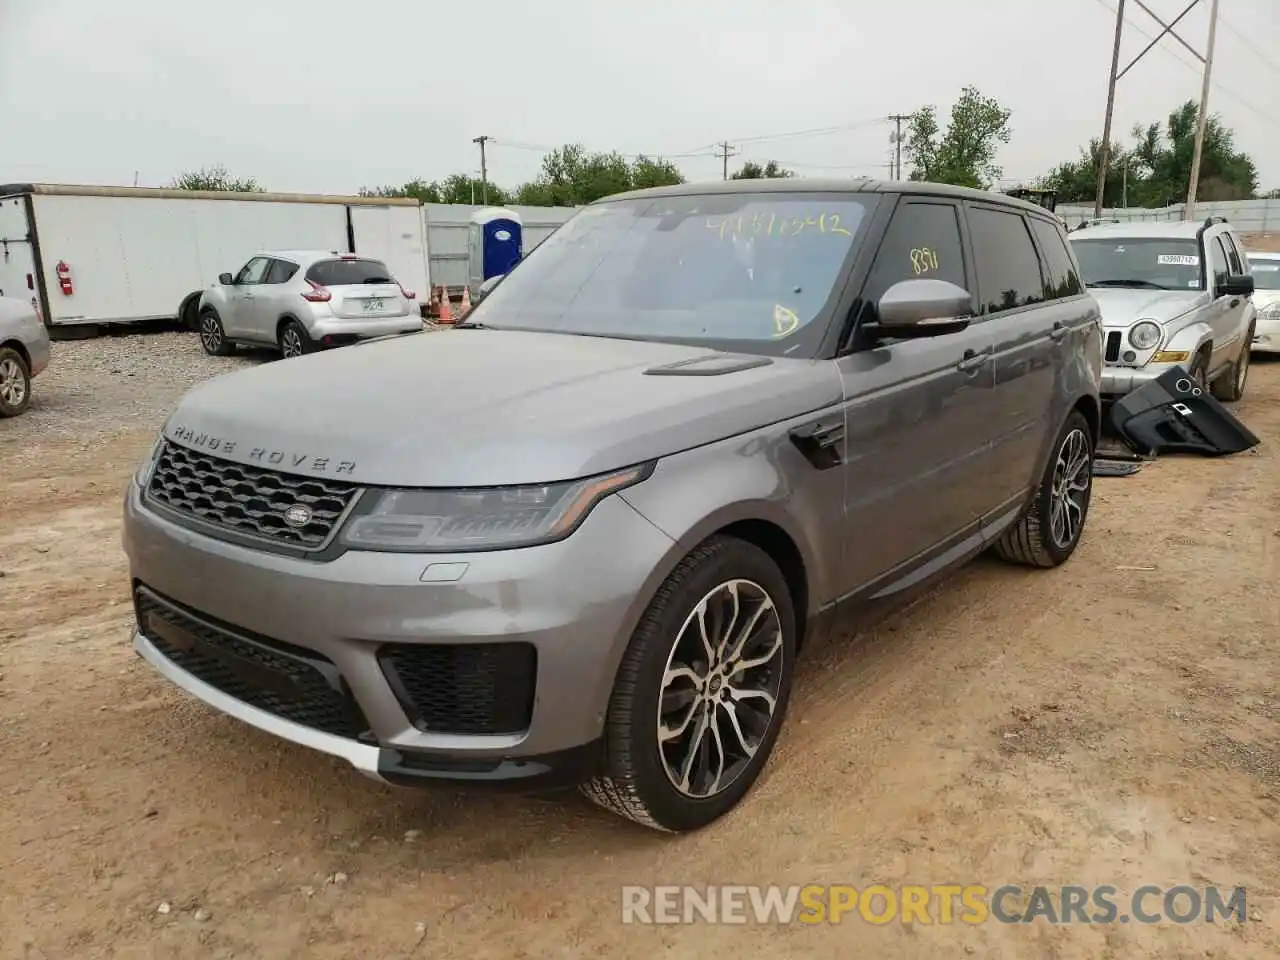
x=1188, y=334
x=758, y=476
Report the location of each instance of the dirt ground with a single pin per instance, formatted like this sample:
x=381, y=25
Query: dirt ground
x=1114, y=721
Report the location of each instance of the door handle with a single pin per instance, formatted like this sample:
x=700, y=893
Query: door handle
x=1235, y=302
x=972, y=360
x=1059, y=330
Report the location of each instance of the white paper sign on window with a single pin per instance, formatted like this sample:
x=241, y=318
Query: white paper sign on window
x=1177, y=260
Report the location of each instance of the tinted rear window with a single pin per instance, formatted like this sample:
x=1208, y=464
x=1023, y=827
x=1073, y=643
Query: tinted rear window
x=341, y=273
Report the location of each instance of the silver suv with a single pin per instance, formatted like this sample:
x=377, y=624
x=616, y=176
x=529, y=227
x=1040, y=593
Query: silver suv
x=582, y=537
x=1172, y=294
x=301, y=301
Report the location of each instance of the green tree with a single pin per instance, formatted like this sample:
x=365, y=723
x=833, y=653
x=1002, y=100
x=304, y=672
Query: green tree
x=654, y=172
x=1155, y=170
x=215, y=178
x=571, y=176
x=421, y=190
x=751, y=170
x=965, y=153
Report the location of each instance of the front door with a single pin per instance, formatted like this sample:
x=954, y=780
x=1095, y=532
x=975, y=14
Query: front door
x=916, y=413
x=242, y=298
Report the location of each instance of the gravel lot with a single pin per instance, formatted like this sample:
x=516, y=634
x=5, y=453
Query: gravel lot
x=1113, y=721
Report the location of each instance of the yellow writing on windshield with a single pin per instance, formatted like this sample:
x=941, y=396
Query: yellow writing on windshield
x=772, y=225
x=924, y=260
x=785, y=321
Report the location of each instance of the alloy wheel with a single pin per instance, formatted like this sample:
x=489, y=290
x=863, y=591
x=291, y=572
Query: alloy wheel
x=290, y=343
x=210, y=333
x=1072, y=479
x=720, y=689
x=13, y=384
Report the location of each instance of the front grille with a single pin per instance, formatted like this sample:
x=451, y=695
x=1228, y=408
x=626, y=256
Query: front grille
x=481, y=688
x=1113, y=346
x=295, y=684
x=248, y=500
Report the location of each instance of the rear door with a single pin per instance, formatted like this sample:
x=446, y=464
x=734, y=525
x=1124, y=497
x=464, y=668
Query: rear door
x=361, y=288
x=19, y=277
x=916, y=412
x=1038, y=310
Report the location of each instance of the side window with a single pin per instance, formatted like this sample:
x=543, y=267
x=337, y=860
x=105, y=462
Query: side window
x=1062, y=280
x=1218, y=261
x=1233, y=255
x=923, y=240
x=1009, y=274
x=253, y=271
x=281, y=272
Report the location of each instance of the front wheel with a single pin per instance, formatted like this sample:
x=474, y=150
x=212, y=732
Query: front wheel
x=15, y=383
x=701, y=692
x=212, y=337
x=1229, y=389
x=1050, y=530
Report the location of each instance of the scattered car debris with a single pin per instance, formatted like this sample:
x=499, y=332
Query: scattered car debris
x=1176, y=414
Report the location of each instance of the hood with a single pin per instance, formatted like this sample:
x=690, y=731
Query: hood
x=490, y=407
x=1122, y=307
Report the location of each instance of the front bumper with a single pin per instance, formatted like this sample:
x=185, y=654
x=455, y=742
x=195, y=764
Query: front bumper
x=575, y=603
x=1266, y=336
x=1119, y=380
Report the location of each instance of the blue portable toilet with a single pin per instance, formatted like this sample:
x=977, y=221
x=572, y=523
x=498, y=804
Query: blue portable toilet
x=495, y=244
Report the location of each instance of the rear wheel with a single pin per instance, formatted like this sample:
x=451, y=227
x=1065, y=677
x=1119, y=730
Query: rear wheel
x=701, y=692
x=212, y=337
x=1050, y=530
x=294, y=340
x=15, y=383
x=1230, y=388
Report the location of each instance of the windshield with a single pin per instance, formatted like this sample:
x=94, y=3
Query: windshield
x=1266, y=273
x=343, y=273
x=1156, y=263
x=748, y=272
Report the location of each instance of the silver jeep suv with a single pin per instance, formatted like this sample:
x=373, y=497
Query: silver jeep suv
x=582, y=537
x=1172, y=294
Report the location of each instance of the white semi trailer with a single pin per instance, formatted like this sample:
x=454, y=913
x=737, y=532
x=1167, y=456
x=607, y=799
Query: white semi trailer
x=89, y=256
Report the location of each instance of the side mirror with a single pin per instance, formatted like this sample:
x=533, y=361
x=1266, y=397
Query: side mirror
x=487, y=286
x=923, y=308
x=226, y=279
x=1240, y=285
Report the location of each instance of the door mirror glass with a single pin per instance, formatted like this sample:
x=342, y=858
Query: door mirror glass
x=923, y=308
x=1238, y=286
x=226, y=279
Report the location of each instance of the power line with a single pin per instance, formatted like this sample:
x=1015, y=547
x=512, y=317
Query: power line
x=1240, y=35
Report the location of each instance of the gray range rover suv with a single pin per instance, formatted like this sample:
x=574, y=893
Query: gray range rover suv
x=582, y=538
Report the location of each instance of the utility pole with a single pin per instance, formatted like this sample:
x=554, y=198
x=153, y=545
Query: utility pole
x=898, y=119
x=725, y=153
x=1203, y=119
x=1104, y=154
x=484, y=170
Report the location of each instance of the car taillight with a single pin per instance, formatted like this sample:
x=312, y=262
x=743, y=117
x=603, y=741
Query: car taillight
x=407, y=294
x=318, y=293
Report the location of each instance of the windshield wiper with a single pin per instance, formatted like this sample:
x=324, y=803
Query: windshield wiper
x=1137, y=284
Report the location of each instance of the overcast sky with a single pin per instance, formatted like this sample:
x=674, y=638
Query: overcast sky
x=329, y=95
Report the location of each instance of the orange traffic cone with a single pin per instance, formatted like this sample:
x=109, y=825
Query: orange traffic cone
x=446, y=309
x=466, y=301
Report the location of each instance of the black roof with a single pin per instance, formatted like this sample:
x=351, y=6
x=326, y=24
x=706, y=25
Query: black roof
x=806, y=185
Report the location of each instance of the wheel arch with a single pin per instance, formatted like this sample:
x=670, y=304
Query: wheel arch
x=189, y=310
x=20, y=349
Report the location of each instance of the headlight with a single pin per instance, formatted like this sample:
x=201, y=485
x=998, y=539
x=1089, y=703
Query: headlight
x=143, y=475
x=1145, y=334
x=492, y=518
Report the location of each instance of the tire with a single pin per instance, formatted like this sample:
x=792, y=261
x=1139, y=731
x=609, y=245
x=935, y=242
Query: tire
x=1200, y=367
x=293, y=340
x=15, y=383
x=641, y=780
x=1230, y=389
x=1065, y=491
x=212, y=337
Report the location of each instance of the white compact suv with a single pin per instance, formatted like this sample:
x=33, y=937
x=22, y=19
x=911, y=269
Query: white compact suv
x=1265, y=268
x=302, y=301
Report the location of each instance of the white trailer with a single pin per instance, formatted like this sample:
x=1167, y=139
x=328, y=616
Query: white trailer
x=92, y=256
